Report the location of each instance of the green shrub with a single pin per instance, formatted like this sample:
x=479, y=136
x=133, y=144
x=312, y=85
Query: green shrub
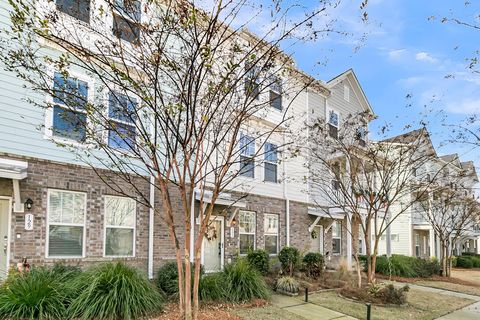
x=65, y=272
x=313, y=263
x=289, y=258
x=404, y=266
x=259, y=259
x=167, y=279
x=453, y=259
x=464, y=262
x=475, y=261
x=113, y=291
x=242, y=282
x=287, y=285
x=211, y=287
x=37, y=294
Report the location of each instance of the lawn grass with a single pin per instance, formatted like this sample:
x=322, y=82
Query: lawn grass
x=268, y=312
x=451, y=286
x=421, y=305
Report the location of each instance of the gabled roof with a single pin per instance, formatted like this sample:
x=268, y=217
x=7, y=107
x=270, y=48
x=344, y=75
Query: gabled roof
x=469, y=167
x=452, y=159
x=352, y=78
x=413, y=136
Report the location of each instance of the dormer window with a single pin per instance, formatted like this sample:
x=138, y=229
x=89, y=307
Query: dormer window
x=276, y=93
x=333, y=122
x=126, y=20
x=79, y=9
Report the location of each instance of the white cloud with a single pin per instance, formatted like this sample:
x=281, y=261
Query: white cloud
x=465, y=106
x=396, y=54
x=425, y=56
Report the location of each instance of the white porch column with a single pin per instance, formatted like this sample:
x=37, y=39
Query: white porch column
x=431, y=242
x=349, y=241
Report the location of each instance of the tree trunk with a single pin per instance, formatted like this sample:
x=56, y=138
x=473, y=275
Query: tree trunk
x=359, y=270
x=196, y=282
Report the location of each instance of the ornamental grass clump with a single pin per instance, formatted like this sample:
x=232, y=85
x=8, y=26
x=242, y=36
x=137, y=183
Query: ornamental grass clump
x=242, y=282
x=37, y=294
x=113, y=291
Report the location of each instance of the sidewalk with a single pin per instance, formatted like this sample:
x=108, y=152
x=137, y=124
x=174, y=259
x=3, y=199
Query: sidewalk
x=306, y=310
x=471, y=312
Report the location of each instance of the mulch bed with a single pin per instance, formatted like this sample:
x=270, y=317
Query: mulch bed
x=213, y=311
x=433, y=278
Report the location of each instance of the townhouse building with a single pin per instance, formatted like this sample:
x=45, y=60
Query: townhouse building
x=412, y=233
x=54, y=208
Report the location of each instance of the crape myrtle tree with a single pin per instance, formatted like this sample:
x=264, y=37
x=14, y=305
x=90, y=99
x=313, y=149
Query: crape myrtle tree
x=162, y=91
x=373, y=183
x=452, y=211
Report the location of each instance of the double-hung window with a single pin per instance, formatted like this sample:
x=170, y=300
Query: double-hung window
x=79, y=9
x=271, y=233
x=247, y=152
x=122, y=115
x=276, y=93
x=333, y=123
x=361, y=136
x=70, y=96
x=66, y=223
x=126, y=20
x=271, y=159
x=337, y=237
x=247, y=226
x=252, y=82
x=120, y=215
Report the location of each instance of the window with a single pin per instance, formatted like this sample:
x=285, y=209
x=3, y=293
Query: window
x=126, y=19
x=337, y=237
x=361, y=237
x=336, y=171
x=333, y=122
x=69, y=116
x=247, y=152
x=271, y=159
x=120, y=215
x=271, y=233
x=361, y=136
x=276, y=93
x=66, y=223
x=346, y=93
x=246, y=231
x=252, y=86
x=79, y=9
x=122, y=114
x=395, y=237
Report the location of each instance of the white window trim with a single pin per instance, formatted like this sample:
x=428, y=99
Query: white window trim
x=105, y=226
x=270, y=162
x=106, y=95
x=338, y=224
x=329, y=109
x=110, y=21
x=254, y=230
x=277, y=234
x=48, y=134
x=280, y=93
x=245, y=133
x=84, y=225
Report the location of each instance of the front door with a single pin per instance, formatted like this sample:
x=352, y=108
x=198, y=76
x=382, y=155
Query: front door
x=213, y=246
x=4, y=213
x=317, y=239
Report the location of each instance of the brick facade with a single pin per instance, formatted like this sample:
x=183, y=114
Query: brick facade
x=44, y=175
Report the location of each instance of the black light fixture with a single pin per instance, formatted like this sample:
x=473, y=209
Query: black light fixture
x=29, y=204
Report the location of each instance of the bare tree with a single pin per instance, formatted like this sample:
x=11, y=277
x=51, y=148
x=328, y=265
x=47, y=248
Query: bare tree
x=452, y=211
x=373, y=183
x=169, y=88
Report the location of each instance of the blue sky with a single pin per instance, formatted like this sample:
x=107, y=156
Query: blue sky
x=406, y=53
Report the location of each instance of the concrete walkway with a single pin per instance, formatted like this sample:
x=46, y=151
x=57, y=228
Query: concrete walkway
x=306, y=310
x=471, y=312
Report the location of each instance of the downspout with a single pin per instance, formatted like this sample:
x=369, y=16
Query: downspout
x=287, y=201
x=151, y=226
